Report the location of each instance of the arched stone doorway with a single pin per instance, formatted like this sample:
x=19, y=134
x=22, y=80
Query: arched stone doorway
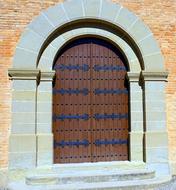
x=31, y=139
x=90, y=103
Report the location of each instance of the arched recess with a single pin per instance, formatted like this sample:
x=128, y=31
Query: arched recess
x=132, y=36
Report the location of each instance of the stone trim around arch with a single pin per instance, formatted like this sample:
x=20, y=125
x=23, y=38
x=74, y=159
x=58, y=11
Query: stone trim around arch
x=55, y=17
x=46, y=64
x=47, y=59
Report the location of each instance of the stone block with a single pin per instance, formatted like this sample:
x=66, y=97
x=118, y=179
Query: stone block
x=154, y=62
x=23, y=95
x=137, y=125
x=155, y=116
x=155, y=86
x=45, y=87
x=74, y=9
x=50, y=52
x=154, y=96
x=22, y=160
x=19, y=118
x=109, y=10
x=45, y=142
x=44, y=117
x=136, y=139
x=149, y=46
x=42, y=25
x=134, y=87
x=23, y=128
x=136, y=106
x=24, y=85
x=58, y=42
x=45, y=63
x=135, y=66
x=130, y=54
x=22, y=143
x=162, y=168
x=125, y=18
x=123, y=45
x=68, y=35
x=156, y=125
x=155, y=139
x=44, y=96
x=44, y=107
x=136, y=153
x=173, y=167
x=56, y=15
x=137, y=115
x=159, y=106
x=92, y=8
x=45, y=158
x=24, y=58
x=139, y=31
x=157, y=155
x=44, y=127
x=136, y=96
x=23, y=106
x=30, y=40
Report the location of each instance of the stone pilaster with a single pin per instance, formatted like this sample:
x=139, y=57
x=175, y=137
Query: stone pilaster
x=22, y=143
x=136, y=118
x=155, y=131
x=44, y=119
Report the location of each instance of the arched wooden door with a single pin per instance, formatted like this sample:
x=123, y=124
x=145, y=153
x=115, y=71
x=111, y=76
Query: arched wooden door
x=90, y=103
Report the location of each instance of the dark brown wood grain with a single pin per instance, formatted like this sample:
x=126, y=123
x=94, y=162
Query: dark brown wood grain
x=92, y=52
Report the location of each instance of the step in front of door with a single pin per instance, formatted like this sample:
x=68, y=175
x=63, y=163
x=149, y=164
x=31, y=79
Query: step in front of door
x=92, y=176
x=147, y=184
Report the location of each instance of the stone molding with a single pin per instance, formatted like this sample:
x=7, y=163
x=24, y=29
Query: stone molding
x=47, y=58
x=28, y=74
x=133, y=77
x=24, y=74
x=153, y=76
x=47, y=75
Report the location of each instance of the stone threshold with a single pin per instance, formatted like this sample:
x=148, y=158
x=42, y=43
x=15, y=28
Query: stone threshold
x=148, y=184
x=126, y=165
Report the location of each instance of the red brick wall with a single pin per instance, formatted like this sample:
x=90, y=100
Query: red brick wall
x=14, y=17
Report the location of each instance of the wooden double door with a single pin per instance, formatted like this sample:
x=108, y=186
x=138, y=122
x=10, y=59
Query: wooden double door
x=90, y=103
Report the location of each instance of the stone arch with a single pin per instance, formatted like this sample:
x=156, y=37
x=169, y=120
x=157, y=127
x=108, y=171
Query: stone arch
x=48, y=56
x=51, y=21
x=32, y=80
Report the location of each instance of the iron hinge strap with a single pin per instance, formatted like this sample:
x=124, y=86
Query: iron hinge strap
x=109, y=68
x=71, y=143
x=111, y=116
x=110, y=91
x=62, y=91
x=86, y=116
x=99, y=142
x=63, y=67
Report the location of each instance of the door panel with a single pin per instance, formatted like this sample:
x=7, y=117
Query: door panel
x=90, y=103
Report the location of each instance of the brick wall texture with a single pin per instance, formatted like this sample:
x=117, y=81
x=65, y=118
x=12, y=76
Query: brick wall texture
x=16, y=14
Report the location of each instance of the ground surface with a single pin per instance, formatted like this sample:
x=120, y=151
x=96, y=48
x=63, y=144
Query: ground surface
x=170, y=186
